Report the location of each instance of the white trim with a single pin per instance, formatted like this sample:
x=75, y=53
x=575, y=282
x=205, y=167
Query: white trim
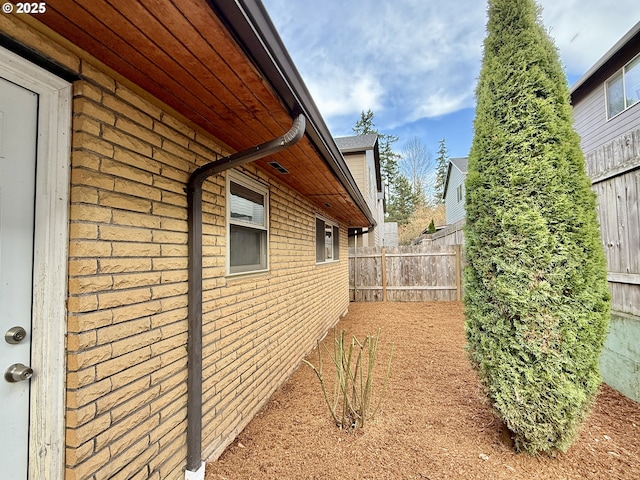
x=51, y=238
x=260, y=188
x=332, y=224
x=623, y=74
x=197, y=475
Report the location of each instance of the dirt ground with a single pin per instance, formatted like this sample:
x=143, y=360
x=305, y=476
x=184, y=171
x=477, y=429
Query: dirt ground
x=434, y=422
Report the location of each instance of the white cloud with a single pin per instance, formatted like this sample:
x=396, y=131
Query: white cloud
x=585, y=30
x=411, y=59
x=341, y=92
x=440, y=103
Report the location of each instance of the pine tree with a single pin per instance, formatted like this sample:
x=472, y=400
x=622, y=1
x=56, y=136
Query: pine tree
x=388, y=158
x=365, y=124
x=403, y=202
x=442, y=163
x=536, y=295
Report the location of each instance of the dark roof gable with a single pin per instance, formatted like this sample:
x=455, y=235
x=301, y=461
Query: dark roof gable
x=461, y=164
x=357, y=142
x=363, y=143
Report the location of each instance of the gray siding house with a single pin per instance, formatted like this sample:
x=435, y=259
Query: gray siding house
x=454, y=189
x=606, y=104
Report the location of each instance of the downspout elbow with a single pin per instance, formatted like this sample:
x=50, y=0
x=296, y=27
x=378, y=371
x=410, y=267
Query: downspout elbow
x=251, y=154
x=195, y=465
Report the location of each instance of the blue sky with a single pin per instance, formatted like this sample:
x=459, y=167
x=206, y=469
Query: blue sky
x=415, y=62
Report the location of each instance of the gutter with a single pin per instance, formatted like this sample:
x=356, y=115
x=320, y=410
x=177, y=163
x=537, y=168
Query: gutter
x=254, y=31
x=195, y=465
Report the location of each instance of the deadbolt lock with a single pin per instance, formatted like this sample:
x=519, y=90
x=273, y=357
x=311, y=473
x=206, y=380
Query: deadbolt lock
x=17, y=373
x=15, y=335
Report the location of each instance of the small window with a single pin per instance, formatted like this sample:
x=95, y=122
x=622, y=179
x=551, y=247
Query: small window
x=327, y=241
x=460, y=193
x=247, y=218
x=623, y=88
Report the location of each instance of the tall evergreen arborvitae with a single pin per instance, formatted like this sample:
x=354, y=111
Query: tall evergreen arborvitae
x=536, y=294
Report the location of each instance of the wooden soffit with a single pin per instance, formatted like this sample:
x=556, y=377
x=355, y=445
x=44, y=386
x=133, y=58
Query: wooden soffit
x=182, y=53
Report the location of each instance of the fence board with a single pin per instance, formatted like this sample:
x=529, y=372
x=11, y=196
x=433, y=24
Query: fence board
x=405, y=273
x=616, y=181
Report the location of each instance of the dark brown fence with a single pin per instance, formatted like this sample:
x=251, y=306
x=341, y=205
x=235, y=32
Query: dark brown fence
x=416, y=273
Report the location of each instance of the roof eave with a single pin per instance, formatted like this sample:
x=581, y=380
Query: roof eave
x=250, y=24
x=605, y=59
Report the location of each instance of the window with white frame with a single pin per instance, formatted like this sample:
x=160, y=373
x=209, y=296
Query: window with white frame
x=623, y=88
x=327, y=241
x=460, y=193
x=248, y=224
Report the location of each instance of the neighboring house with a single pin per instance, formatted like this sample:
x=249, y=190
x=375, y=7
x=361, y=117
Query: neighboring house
x=363, y=159
x=166, y=303
x=606, y=105
x=454, y=189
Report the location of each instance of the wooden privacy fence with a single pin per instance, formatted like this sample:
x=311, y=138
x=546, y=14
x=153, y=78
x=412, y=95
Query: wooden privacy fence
x=416, y=273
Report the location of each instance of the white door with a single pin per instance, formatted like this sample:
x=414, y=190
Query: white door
x=18, y=139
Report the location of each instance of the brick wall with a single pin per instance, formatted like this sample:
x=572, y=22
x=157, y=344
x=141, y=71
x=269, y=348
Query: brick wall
x=127, y=302
x=257, y=329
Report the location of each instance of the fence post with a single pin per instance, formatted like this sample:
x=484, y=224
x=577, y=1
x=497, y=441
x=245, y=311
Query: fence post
x=384, y=274
x=458, y=272
x=355, y=271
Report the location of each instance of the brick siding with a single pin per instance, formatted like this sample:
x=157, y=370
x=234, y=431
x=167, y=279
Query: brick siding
x=127, y=301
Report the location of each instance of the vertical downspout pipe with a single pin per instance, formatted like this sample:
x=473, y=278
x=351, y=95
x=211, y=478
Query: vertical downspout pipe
x=194, y=225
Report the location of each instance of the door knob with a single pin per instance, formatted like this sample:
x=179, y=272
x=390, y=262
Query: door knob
x=17, y=373
x=15, y=335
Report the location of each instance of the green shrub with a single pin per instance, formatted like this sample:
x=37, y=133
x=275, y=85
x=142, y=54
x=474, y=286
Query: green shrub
x=536, y=294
